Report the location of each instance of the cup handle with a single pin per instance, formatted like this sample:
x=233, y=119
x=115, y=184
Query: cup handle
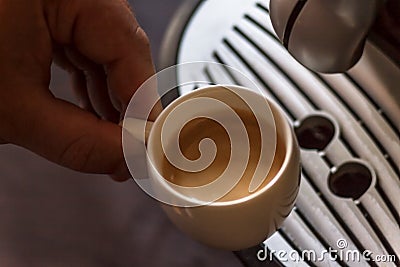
x=135, y=127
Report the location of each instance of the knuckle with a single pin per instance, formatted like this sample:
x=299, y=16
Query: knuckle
x=142, y=38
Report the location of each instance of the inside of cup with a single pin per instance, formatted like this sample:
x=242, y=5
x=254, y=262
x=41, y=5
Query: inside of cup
x=241, y=189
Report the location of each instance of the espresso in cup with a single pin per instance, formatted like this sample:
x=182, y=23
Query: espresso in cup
x=198, y=129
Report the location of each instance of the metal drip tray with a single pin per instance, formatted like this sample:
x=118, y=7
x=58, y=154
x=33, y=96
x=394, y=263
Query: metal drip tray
x=347, y=126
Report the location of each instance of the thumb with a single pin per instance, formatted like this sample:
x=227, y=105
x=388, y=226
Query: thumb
x=67, y=135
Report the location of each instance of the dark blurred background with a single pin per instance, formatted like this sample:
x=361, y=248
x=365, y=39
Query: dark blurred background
x=51, y=216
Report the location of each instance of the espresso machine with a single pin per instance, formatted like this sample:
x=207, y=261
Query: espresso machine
x=334, y=68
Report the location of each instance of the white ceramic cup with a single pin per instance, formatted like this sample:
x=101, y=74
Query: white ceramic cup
x=236, y=223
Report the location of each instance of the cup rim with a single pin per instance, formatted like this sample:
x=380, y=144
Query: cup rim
x=287, y=139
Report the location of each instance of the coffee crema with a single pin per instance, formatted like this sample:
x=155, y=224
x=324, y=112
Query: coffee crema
x=198, y=129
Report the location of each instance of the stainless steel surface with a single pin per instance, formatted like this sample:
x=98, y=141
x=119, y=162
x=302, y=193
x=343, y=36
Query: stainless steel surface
x=362, y=104
x=326, y=36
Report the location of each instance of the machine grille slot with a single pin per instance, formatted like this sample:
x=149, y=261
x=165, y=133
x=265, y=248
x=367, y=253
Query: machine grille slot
x=293, y=245
x=373, y=102
x=235, y=81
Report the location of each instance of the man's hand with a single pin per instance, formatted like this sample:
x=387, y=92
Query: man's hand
x=107, y=54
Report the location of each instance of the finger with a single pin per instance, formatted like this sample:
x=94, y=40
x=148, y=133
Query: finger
x=60, y=58
x=78, y=78
x=79, y=87
x=107, y=33
x=96, y=86
x=99, y=94
x=127, y=74
x=66, y=134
